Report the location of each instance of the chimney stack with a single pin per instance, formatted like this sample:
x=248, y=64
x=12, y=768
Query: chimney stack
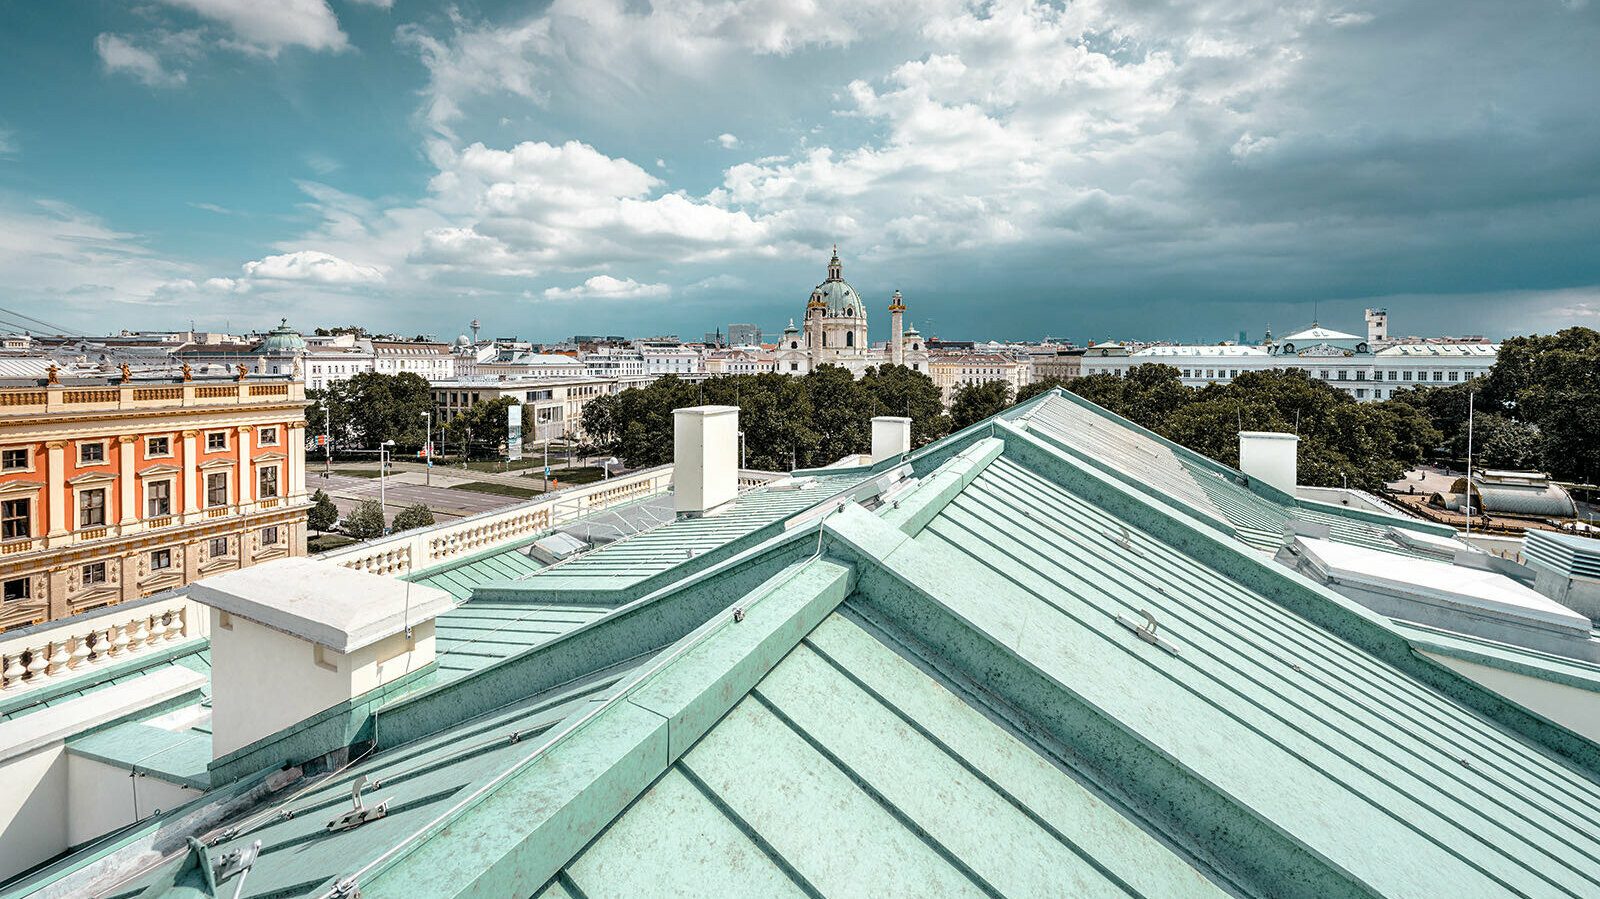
x=705, y=458
x=891, y=436
x=1270, y=457
x=293, y=637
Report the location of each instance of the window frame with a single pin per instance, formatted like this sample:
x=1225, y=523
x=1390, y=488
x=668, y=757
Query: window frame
x=261, y=483
x=225, y=489
x=99, y=507
x=150, y=453
x=261, y=435
x=105, y=458
x=6, y=519
x=157, y=554
x=26, y=594
x=148, y=499
x=215, y=449
x=211, y=550
x=27, y=458
x=272, y=532
x=101, y=578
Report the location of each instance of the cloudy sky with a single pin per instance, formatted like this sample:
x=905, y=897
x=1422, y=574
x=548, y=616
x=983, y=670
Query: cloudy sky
x=1098, y=168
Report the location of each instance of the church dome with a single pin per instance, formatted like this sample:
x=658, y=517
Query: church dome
x=463, y=341
x=283, y=340
x=840, y=298
x=836, y=294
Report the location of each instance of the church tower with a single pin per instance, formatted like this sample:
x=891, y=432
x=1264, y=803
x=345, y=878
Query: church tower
x=897, y=339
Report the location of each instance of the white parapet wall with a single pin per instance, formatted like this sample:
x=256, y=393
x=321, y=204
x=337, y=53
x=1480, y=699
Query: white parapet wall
x=424, y=548
x=46, y=654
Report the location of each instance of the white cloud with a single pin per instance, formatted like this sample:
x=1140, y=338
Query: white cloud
x=119, y=55
x=268, y=26
x=385, y=4
x=605, y=287
x=8, y=142
x=312, y=265
x=728, y=141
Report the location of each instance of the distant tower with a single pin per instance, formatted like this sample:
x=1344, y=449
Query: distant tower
x=474, y=332
x=897, y=339
x=1377, y=325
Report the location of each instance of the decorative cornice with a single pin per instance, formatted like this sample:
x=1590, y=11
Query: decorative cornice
x=218, y=463
x=155, y=470
x=93, y=477
x=21, y=486
x=127, y=438
x=55, y=444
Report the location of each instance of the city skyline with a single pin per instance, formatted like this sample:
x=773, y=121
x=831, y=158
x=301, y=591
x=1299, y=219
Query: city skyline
x=1021, y=171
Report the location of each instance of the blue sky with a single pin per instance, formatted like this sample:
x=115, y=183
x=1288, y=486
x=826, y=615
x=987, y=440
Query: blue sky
x=1100, y=168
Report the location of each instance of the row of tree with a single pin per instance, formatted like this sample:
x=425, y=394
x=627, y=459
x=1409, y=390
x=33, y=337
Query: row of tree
x=788, y=422
x=364, y=411
x=1538, y=408
x=366, y=520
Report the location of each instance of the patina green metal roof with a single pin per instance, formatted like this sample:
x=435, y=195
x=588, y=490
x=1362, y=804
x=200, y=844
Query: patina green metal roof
x=1024, y=676
x=1195, y=485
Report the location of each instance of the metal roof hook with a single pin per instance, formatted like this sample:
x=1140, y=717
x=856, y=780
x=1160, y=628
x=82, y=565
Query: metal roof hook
x=359, y=813
x=1148, y=632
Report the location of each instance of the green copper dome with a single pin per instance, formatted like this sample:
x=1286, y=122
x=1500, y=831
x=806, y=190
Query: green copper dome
x=837, y=294
x=283, y=340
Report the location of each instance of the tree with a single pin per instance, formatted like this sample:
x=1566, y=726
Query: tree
x=975, y=401
x=365, y=521
x=1499, y=441
x=322, y=514
x=839, y=414
x=897, y=390
x=1044, y=385
x=480, y=428
x=413, y=516
x=371, y=407
x=1552, y=383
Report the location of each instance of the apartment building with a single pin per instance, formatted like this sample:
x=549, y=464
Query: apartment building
x=952, y=371
x=111, y=490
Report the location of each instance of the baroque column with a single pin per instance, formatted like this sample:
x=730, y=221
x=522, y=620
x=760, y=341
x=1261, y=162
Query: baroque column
x=191, y=491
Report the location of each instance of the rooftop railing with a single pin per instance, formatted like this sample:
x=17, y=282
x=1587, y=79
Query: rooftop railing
x=78, y=398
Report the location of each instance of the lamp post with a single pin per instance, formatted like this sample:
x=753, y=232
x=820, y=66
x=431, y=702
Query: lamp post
x=383, y=480
x=427, y=451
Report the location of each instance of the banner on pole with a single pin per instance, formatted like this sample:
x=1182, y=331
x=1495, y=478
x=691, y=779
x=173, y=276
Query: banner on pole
x=514, y=433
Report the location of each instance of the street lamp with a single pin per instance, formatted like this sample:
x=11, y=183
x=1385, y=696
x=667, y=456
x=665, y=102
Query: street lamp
x=427, y=475
x=383, y=481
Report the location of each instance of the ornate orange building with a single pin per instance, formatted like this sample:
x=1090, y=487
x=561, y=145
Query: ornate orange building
x=112, y=490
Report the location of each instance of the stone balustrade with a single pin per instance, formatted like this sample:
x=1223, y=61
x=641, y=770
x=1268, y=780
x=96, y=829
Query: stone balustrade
x=424, y=548
x=34, y=657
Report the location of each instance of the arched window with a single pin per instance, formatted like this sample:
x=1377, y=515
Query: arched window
x=849, y=311
x=849, y=338
x=824, y=338
x=794, y=344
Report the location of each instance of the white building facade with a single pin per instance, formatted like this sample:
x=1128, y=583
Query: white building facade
x=835, y=332
x=1360, y=366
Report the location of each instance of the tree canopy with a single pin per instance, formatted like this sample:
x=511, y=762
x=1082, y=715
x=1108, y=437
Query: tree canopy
x=364, y=410
x=1341, y=440
x=788, y=422
x=323, y=513
x=480, y=429
x=1539, y=407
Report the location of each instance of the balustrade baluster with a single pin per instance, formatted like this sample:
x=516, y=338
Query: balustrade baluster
x=80, y=652
x=38, y=661
x=12, y=671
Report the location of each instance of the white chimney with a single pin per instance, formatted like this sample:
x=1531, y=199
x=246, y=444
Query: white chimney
x=1269, y=456
x=705, y=458
x=891, y=436
x=293, y=637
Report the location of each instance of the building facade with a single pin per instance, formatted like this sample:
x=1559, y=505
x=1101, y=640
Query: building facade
x=951, y=372
x=835, y=332
x=552, y=407
x=111, y=491
x=1360, y=367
